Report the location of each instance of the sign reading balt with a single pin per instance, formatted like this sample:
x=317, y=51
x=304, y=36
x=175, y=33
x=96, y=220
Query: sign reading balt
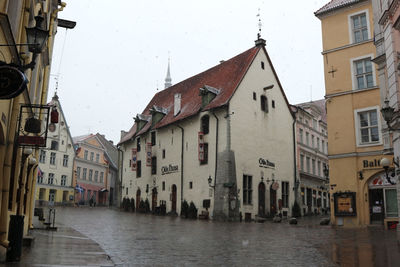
x=266, y=163
x=169, y=169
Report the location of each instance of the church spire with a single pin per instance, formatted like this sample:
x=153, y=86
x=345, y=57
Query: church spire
x=168, y=78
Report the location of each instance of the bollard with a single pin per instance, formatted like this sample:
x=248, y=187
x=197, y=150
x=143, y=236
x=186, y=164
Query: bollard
x=15, y=235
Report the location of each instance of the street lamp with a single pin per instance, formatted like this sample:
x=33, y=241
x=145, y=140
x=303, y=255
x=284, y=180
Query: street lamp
x=385, y=164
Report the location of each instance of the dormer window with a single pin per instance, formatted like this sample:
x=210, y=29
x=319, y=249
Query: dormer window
x=205, y=123
x=208, y=93
x=141, y=120
x=157, y=114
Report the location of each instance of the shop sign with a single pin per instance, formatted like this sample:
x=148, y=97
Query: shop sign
x=12, y=82
x=266, y=163
x=345, y=203
x=148, y=154
x=134, y=159
x=371, y=163
x=169, y=169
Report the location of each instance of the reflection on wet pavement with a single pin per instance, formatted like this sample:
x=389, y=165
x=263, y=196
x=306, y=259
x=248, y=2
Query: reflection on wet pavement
x=147, y=240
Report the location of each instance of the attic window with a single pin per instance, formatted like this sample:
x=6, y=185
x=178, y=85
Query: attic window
x=208, y=93
x=262, y=65
x=254, y=96
x=264, y=103
x=273, y=103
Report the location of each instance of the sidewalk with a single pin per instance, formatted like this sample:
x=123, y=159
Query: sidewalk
x=64, y=247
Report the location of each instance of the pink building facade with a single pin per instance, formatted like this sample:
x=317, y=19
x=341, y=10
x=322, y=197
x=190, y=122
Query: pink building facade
x=312, y=157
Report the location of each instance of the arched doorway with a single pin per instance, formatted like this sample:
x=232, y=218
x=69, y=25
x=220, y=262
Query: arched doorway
x=272, y=200
x=153, y=199
x=173, y=198
x=261, y=199
x=138, y=198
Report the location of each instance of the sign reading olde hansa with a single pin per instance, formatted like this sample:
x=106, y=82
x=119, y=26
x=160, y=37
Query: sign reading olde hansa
x=169, y=169
x=266, y=163
x=12, y=82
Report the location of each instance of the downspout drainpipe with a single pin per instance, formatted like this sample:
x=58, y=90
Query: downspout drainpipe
x=216, y=149
x=120, y=168
x=294, y=157
x=183, y=134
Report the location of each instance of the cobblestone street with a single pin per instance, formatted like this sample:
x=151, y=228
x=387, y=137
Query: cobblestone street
x=147, y=240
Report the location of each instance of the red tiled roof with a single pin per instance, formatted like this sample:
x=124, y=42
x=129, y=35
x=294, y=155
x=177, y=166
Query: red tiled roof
x=333, y=5
x=226, y=77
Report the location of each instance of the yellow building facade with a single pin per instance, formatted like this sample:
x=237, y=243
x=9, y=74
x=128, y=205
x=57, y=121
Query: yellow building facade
x=361, y=192
x=18, y=164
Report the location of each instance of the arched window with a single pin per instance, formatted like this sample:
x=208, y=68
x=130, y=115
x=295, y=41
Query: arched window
x=205, y=123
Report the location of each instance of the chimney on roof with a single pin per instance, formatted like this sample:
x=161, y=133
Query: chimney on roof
x=177, y=104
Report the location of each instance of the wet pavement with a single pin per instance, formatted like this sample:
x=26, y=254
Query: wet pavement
x=131, y=239
x=64, y=247
x=147, y=240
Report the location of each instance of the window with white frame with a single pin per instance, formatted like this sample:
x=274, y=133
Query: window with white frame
x=302, y=162
x=84, y=171
x=101, y=177
x=63, y=180
x=96, y=176
x=359, y=27
x=367, y=126
x=51, y=178
x=42, y=156
x=65, y=161
x=90, y=175
x=363, y=73
x=301, y=135
x=78, y=172
x=53, y=158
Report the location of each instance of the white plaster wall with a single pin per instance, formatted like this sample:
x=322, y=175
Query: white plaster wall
x=257, y=134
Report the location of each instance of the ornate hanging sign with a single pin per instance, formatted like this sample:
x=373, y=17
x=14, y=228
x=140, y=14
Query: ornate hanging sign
x=33, y=125
x=134, y=159
x=12, y=82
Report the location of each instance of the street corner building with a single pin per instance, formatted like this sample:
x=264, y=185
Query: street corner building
x=55, y=171
x=222, y=139
x=361, y=165
x=27, y=33
x=94, y=171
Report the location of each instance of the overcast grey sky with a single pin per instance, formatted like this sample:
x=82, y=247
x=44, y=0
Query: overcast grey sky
x=109, y=67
